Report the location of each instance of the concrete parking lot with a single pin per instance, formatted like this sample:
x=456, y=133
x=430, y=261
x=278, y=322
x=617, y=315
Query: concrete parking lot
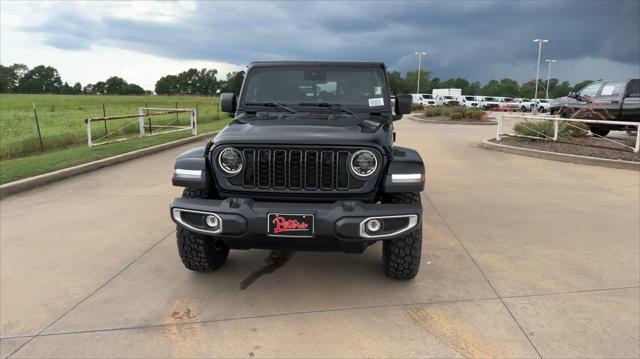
x=522, y=257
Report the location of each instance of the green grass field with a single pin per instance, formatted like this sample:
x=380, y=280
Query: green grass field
x=63, y=130
x=61, y=118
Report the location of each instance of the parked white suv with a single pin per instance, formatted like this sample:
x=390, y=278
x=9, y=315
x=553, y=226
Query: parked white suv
x=470, y=101
x=447, y=101
x=428, y=100
x=521, y=104
x=487, y=102
x=543, y=105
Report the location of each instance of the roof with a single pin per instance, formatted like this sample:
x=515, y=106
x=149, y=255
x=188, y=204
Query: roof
x=316, y=63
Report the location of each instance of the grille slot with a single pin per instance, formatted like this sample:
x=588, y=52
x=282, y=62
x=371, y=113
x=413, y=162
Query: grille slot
x=264, y=172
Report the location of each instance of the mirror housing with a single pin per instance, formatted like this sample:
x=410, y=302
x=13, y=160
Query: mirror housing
x=228, y=102
x=572, y=95
x=403, y=104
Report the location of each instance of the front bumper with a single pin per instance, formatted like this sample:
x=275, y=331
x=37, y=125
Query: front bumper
x=338, y=226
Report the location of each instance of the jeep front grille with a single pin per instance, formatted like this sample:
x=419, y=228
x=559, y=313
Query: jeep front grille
x=295, y=169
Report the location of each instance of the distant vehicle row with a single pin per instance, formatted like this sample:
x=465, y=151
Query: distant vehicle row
x=451, y=97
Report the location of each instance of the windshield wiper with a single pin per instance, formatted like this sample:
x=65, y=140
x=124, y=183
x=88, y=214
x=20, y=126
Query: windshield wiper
x=333, y=106
x=272, y=104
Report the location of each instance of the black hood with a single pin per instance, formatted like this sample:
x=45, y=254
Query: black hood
x=308, y=130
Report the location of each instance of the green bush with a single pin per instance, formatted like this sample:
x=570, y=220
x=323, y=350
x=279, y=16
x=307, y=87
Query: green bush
x=433, y=111
x=473, y=113
x=417, y=107
x=456, y=115
x=546, y=128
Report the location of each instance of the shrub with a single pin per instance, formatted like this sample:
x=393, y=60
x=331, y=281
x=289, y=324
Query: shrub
x=456, y=115
x=576, y=129
x=541, y=129
x=473, y=113
x=417, y=107
x=433, y=111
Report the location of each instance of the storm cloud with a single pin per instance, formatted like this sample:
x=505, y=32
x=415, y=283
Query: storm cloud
x=478, y=40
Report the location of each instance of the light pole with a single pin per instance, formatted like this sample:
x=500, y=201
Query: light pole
x=419, y=53
x=539, y=41
x=549, y=61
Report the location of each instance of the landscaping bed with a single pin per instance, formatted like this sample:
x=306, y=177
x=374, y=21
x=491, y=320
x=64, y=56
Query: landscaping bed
x=460, y=121
x=581, y=146
x=455, y=115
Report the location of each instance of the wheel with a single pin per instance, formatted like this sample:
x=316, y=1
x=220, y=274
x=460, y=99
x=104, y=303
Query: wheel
x=401, y=256
x=523, y=109
x=599, y=131
x=541, y=109
x=199, y=252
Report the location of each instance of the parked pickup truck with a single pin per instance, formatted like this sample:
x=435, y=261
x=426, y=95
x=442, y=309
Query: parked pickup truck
x=520, y=104
x=603, y=100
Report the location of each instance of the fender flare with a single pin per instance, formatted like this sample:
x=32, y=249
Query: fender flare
x=404, y=161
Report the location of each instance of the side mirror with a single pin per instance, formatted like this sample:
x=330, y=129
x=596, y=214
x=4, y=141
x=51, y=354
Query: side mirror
x=228, y=102
x=572, y=95
x=403, y=104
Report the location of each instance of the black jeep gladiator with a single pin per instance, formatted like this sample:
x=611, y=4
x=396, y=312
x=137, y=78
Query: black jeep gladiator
x=308, y=163
x=602, y=100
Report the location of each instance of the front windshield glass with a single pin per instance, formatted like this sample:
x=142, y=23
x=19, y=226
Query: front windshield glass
x=349, y=87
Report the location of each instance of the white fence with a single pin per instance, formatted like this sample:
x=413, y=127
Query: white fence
x=145, y=124
x=503, y=116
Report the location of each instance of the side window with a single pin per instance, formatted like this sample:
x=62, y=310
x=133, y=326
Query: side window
x=633, y=90
x=613, y=89
x=591, y=90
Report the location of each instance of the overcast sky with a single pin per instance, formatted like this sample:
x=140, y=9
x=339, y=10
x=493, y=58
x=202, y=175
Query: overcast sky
x=478, y=40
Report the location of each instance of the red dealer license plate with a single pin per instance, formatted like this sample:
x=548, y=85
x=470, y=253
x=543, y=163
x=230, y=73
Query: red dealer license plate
x=290, y=225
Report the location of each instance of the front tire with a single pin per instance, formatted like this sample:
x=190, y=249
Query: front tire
x=401, y=256
x=199, y=252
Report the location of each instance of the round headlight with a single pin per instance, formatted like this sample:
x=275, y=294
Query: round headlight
x=230, y=161
x=363, y=163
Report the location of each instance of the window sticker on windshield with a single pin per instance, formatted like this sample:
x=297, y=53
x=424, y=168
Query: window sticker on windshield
x=607, y=90
x=373, y=102
x=377, y=90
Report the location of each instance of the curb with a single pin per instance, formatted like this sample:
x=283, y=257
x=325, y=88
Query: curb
x=470, y=123
x=14, y=187
x=562, y=157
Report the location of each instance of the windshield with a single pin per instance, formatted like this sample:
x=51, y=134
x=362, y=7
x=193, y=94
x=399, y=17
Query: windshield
x=349, y=87
x=489, y=99
x=470, y=98
x=427, y=97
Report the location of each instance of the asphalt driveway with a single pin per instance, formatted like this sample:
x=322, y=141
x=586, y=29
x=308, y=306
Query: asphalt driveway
x=522, y=257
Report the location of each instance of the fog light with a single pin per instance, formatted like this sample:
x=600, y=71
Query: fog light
x=373, y=225
x=212, y=221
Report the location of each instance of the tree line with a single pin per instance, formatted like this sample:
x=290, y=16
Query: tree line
x=505, y=87
x=18, y=78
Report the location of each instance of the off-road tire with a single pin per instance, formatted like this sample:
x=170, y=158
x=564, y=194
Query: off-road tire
x=401, y=256
x=599, y=131
x=199, y=252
